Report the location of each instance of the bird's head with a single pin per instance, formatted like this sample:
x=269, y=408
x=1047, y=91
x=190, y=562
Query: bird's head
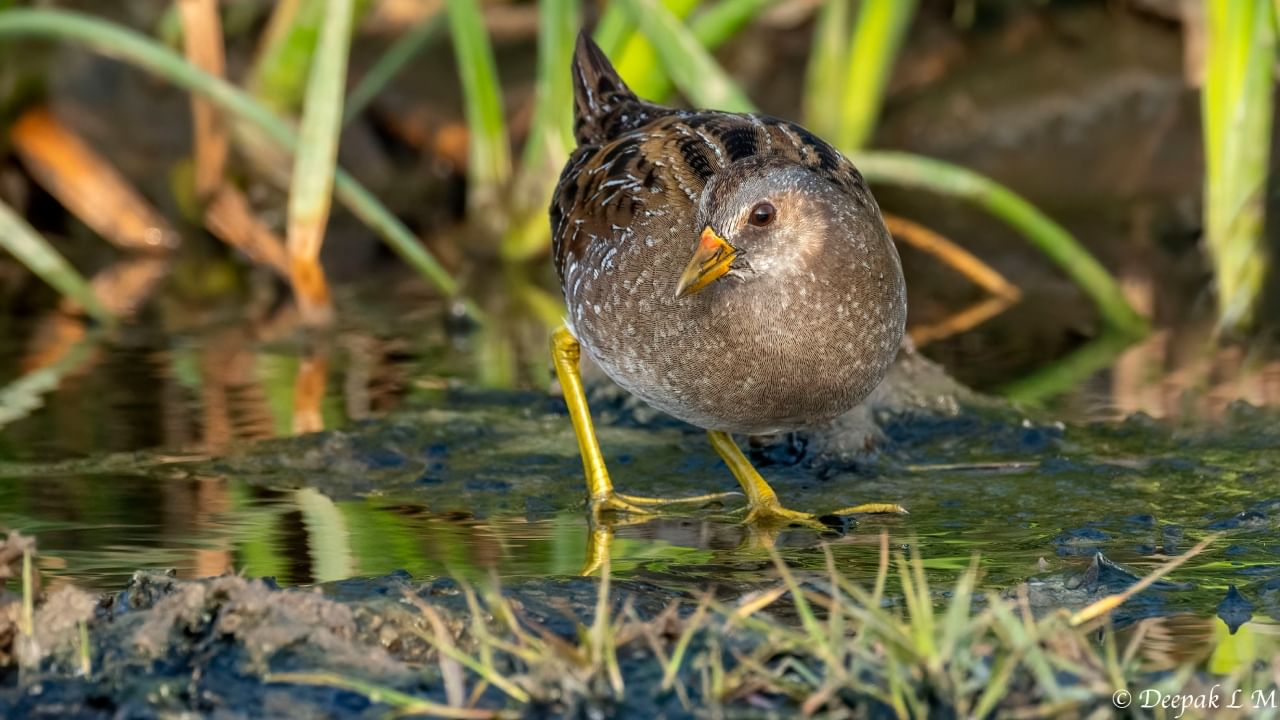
x=773, y=218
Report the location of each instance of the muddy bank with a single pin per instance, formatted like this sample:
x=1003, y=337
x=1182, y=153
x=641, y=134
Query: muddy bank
x=239, y=647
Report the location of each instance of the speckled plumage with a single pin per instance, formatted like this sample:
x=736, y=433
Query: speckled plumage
x=812, y=312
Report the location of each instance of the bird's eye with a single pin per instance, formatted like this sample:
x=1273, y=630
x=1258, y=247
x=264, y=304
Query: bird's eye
x=762, y=214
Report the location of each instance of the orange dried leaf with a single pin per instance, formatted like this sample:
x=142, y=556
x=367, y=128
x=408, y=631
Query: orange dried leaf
x=203, y=45
x=87, y=185
x=229, y=217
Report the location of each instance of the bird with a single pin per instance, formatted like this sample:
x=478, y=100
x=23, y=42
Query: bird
x=731, y=270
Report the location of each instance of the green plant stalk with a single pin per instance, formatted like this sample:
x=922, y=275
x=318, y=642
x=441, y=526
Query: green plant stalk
x=169, y=28
x=402, y=702
x=719, y=23
x=637, y=60
x=27, y=624
x=877, y=34
x=86, y=661
x=614, y=29
x=1046, y=235
x=389, y=65
x=713, y=28
x=138, y=50
x=311, y=185
x=278, y=77
x=824, y=77
x=1236, y=105
x=684, y=59
x=489, y=158
x=551, y=129
x=40, y=257
x=550, y=133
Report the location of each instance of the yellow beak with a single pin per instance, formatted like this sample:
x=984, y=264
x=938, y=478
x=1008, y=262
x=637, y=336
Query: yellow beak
x=710, y=261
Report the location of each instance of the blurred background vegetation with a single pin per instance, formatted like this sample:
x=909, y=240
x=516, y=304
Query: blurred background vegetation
x=239, y=219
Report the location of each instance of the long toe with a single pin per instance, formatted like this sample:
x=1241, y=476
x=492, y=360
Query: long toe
x=873, y=509
x=640, y=505
x=690, y=500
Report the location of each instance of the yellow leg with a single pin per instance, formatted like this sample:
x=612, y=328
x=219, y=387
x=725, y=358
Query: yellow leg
x=566, y=353
x=762, y=502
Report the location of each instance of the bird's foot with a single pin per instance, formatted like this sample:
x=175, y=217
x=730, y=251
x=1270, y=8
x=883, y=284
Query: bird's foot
x=772, y=513
x=613, y=502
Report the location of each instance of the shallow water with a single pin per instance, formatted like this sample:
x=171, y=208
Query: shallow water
x=430, y=477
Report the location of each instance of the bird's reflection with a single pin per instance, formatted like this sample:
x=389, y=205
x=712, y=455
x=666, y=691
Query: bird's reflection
x=727, y=534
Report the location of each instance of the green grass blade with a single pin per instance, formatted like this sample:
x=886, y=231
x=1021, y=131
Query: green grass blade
x=276, y=78
x=144, y=53
x=1046, y=235
x=401, y=52
x=279, y=74
x=402, y=702
x=1236, y=105
x=551, y=129
x=614, y=30
x=712, y=28
x=719, y=23
x=489, y=157
x=24, y=243
x=824, y=78
x=550, y=132
x=637, y=60
x=877, y=34
x=311, y=186
x=956, y=623
x=694, y=71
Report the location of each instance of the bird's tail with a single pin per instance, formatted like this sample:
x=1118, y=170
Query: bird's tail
x=603, y=105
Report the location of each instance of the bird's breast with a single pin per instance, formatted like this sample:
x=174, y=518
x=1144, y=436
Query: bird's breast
x=735, y=358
